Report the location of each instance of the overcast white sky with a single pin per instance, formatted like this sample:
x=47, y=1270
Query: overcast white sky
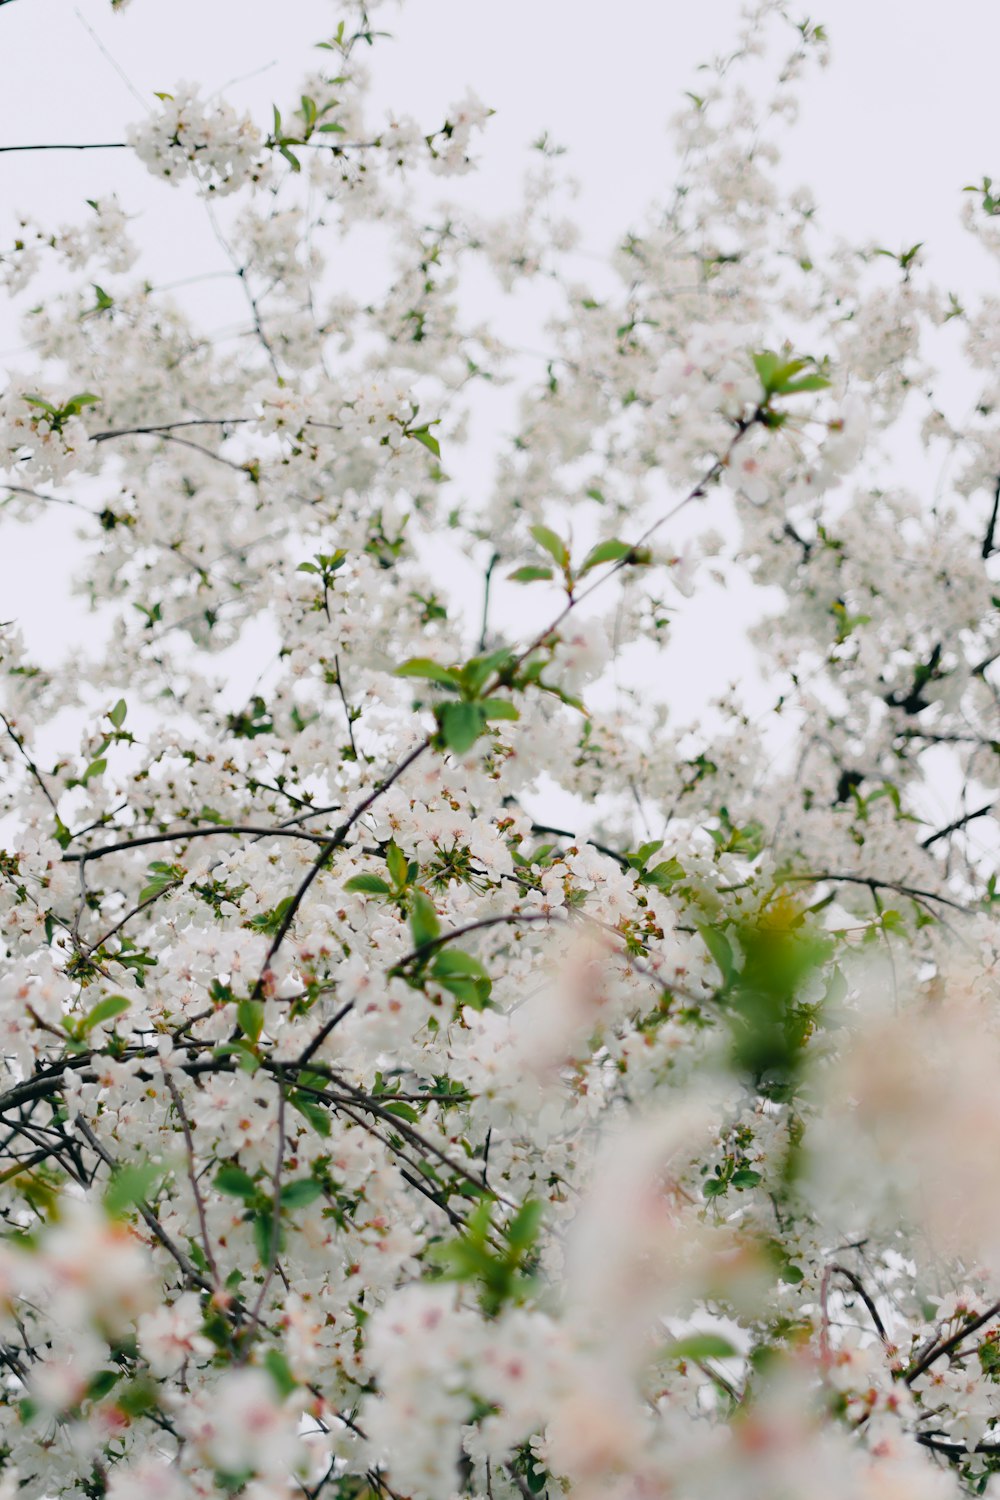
x=906, y=115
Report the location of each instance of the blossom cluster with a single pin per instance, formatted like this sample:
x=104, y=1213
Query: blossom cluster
x=432, y=1065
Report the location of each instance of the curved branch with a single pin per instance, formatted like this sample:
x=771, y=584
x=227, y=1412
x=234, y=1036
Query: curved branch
x=181, y=834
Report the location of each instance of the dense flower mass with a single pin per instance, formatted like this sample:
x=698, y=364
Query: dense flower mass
x=372, y=1124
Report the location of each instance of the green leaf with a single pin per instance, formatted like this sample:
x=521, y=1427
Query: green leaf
x=266, y=1235
x=664, y=875
x=425, y=436
x=96, y=768
x=767, y=366
x=301, y=1193
x=477, y=672
x=161, y=877
x=529, y=574
x=130, y=1185
x=313, y=1111
x=424, y=924
x=780, y=376
x=467, y=991
x=461, y=725
x=720, y=949
x=697, y=1346
x=371, y=885
x=745, y=1177
x=232, y=1180
x=552, y=544
x=101, y=1384
x=610, y=551
x=117, y=714
x=644, y=852
x=522, y=1231
x=499, y=708
x=422, y=666
x=804, y=383
x=250, y=1017
x=104, y=1010
x=277, y=1367
x=452, y=961
x=396, y=864
x=403, y=1110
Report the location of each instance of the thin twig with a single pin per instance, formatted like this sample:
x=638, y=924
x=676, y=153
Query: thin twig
x=192, y=1174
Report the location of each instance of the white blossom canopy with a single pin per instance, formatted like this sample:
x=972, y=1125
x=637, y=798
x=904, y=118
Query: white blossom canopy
x=365, y=1130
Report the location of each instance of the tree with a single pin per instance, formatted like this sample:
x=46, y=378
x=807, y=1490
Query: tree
x=365, y=1132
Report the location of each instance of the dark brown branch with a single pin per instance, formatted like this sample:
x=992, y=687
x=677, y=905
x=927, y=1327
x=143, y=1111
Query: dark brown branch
x=332, y=844
x=181, y=834
x=72, y=145
x=947, y=1345
x=152, y=1222
x=164, y=427
x=567, y=833
x=959, y=823
x=859, y=1287
x=503, y=919
x=323, y=1033
x=192, y=1174
x=883, y=885
x=33, y=769
x=989, y=540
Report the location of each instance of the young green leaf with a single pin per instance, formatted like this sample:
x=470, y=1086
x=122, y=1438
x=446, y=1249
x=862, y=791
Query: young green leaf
x=461, y=724
x=697, y=1346
x=424, y=924
x=232, y=1180
x=529, y=574
x=300, y=1193
x=498, y=708
x=396, y=864
x=250, y=1018
x=422, y=666
x=104, y=1010
x=552, y=544
x=610, y=551
x=370, y=885
x=129, y=1185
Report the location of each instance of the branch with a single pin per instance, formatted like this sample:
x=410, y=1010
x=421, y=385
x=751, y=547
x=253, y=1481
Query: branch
x=487, y=580
x=885, y=885
x=989, y=543
x=71, y=145
x=275, y=1206
x=567, y=833
x=164, y=427
x=191, y=833
x=338, y=147
x=859, y=1287
x=323, y=1033
x=948, y=1344
x=510, y=918
x=156, y=1228
x=969, y=817
x=35, y=772
x=329, y=848
x=192, y=1174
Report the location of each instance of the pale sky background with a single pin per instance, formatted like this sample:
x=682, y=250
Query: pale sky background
x=906, y=115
